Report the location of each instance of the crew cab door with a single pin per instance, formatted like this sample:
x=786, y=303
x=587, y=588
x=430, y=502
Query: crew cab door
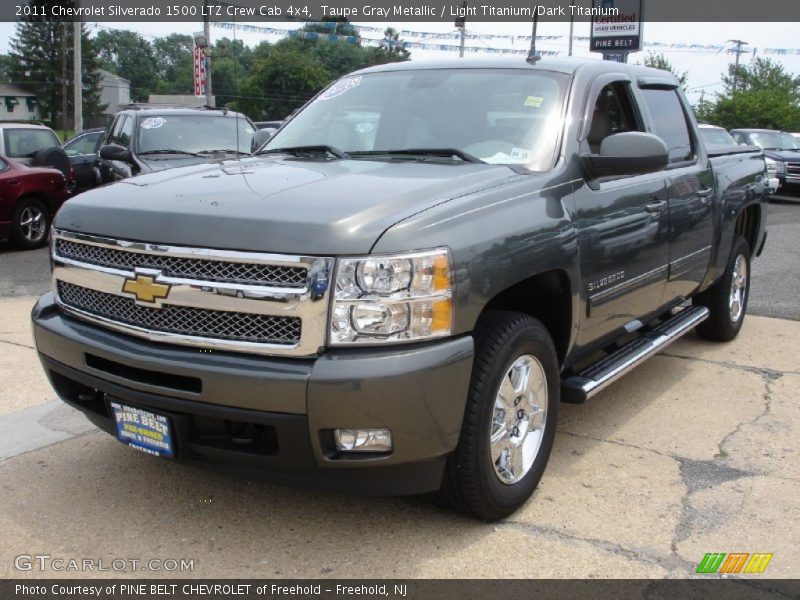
x=622, y=225
x=690, y=189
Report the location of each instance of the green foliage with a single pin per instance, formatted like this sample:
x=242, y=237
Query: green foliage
x=175, y=64
x=38, y=50
x=659, y=61
x=758, y=95
x=129, y=55
x=6, y=63
x=268, y=81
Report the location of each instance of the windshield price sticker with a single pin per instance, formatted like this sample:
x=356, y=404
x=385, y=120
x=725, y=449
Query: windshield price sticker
x=153, y=123
x=340, y=87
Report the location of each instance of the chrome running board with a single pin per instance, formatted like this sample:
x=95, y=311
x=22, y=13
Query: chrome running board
x=579, y=388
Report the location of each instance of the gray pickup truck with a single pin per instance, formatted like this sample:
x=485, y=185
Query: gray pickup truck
x=395, y=292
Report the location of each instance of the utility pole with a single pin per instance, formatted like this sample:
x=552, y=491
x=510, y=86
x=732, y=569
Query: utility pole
x=64, y=76
x=739, y=44
x=77, y=75
x=461, y=25
x=571, y=31
x=207, y=31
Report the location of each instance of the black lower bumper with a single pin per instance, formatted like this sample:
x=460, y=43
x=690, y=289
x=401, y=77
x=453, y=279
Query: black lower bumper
x=87, y=366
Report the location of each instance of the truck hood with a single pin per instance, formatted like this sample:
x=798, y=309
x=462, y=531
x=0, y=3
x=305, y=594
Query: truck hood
x=269, y=204
x=783, y=155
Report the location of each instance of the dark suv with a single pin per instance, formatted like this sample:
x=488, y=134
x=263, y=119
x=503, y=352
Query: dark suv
x=781, y=150
x=144, y=138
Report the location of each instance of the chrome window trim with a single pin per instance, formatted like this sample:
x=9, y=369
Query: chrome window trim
x=310, y=302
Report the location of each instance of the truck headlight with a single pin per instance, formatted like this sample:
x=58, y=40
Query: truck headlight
x=775, y=166
x=392, y=298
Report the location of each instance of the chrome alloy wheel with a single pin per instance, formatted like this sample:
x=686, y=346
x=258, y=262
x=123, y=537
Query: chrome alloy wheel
x=738, y=289
x=32, y=224
x=518, y=419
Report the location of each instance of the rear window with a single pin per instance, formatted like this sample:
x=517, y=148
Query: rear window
x=24, y=143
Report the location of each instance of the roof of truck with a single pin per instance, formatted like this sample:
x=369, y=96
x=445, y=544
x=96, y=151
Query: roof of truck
x=567, y=65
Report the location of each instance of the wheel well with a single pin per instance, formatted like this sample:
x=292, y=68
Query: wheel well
x=747, y=225
x=546, y=297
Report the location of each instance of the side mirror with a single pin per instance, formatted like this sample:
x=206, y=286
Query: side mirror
x=261, y=137
x=115, y=152
x=628, y=153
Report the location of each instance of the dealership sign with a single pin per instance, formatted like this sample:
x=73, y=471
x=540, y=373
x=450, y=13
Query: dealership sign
x=199, y=71
x=620, y=31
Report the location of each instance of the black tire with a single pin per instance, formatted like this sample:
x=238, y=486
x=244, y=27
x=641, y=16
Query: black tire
x=25, y=234
x=722, y=325
x=471, y=483
x=54, y=158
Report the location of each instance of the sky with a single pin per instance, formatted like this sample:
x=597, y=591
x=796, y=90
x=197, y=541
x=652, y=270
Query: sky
x=704, y=68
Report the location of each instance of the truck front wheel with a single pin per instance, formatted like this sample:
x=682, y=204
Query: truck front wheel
x=727, y=298
x=510, y=418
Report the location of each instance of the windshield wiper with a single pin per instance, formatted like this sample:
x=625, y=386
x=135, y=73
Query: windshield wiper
x=223, y=151
x=300, y=150
x=437, y=152
x=170, y=151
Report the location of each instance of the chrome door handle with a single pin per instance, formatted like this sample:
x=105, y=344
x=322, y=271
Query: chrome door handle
x=656, y=206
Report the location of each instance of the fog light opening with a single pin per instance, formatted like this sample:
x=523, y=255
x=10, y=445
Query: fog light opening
x=363, y=440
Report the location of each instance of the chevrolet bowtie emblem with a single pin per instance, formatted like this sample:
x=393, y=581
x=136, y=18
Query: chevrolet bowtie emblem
x=146, y=289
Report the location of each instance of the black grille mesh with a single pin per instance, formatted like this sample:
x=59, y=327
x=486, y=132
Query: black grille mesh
x=187, y=268
x=199, y=322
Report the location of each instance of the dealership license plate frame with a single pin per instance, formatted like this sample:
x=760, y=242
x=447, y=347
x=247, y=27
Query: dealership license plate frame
x=146, y=421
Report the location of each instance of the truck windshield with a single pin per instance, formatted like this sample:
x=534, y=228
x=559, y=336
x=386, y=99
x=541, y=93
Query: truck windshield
x=499, y=116
x=194, y=134
x=774, y=140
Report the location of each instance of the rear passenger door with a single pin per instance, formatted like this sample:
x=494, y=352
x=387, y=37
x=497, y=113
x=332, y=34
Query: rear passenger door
x=690, y=189
x=621, y=222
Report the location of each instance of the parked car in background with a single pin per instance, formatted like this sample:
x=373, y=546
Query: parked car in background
x=144, y=138
x=35, y=145
x=715, y=136
x=29, y=198
x=781, y=149
x=268, y=124
x=719, y=141
x=82, y=152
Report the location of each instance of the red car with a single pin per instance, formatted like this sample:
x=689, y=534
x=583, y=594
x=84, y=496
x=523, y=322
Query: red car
x=29, y=197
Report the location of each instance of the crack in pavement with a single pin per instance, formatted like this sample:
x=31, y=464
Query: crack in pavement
x=672, y=563
x=17, y=344
x=773, y=373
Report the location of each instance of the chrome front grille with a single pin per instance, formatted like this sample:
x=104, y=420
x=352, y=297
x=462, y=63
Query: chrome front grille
x=184, y=320
x=793, y=168
x=240, y=301
x=186, y=268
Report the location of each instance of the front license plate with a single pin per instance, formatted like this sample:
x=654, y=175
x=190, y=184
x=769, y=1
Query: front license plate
x=143, y=430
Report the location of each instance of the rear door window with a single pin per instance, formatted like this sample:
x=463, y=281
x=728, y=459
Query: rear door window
x=669, y=123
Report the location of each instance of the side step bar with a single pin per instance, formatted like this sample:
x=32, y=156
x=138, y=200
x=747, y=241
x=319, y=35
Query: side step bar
x=579, y=388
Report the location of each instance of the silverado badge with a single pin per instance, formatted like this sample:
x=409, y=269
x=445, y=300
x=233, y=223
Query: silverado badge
x=145, y=288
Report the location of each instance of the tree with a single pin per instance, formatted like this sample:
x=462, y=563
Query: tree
x=5, y=67
x=282, y=78
x=759, y=95
x=175, y=64
x=659, y=61
x=231, y=62
x=129, y=55
x=41, y=51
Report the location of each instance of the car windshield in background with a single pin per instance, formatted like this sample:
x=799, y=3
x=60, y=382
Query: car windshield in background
x=24, y=142
x=499, y=116
x=194, y=134
x=775, y=140
x=716, y=136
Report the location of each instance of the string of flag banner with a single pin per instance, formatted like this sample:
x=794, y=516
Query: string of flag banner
x=412, y=40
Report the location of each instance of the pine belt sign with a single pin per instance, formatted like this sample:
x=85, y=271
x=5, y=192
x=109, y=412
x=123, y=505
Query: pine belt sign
x=619, y=29
x=199, y=71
